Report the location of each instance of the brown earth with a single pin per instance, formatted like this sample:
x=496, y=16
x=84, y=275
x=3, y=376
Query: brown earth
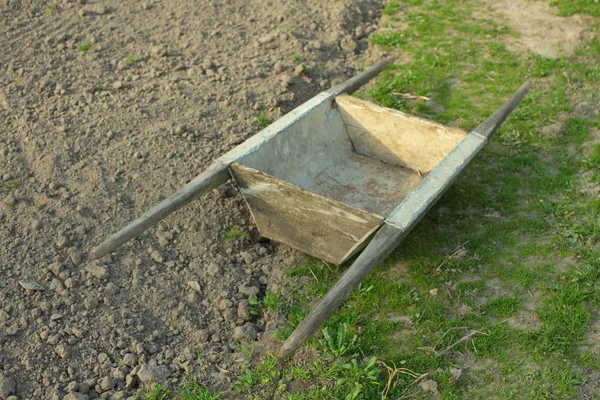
x=539, y=29
x=90, y=138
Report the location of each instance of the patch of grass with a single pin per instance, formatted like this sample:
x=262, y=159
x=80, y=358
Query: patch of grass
x=392, y=7
x=571, y=7
x=595, y=154
x=236, y=233
x=192, y=390
x=263, y=119
x=501, y=307
x=51, y=7
x=159, y=392
x=83, y=47
x=134, y=58
x=295, y=57
x=12, y=185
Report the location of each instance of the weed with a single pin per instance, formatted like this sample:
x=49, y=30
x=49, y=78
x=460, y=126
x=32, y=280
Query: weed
x=83, y=47
x=11, y=185
x=360, y=381
x=263, y=119
x=392, y=7
x=272, y=301
x=134, y=58
x=295, y=57
x=192, y=390
x=339, y=343
x=159, y=392
x=236, y=233
x=254, y=306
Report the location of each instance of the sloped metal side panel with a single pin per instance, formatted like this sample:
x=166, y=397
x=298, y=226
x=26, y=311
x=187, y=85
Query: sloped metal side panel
x=302, y=219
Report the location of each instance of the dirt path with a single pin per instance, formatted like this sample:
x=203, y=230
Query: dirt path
x=106, y=108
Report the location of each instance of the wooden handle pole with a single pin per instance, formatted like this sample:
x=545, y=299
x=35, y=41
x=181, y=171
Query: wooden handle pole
x=213, y=176
x=353, y=84
x=382, y=245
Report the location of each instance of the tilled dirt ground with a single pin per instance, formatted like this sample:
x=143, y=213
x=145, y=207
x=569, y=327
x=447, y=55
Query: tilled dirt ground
x=105, y=109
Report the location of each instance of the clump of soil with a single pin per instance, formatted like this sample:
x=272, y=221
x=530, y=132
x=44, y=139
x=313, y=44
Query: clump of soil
x=106, y=108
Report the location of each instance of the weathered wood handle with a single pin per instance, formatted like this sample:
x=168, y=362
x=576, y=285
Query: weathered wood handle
x=353, y=84
x=215, y=175
x=382, y=245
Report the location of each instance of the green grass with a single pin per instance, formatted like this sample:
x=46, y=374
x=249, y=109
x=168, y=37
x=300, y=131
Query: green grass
x=571, y=7
x=83, y=47
x=262, y=119
x=134, y=58
x=236, y=233
x=512, y=248
x=295, y=57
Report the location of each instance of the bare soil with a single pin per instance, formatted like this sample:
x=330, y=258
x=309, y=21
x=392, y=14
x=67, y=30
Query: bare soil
x=539, y=29
x=106, y=108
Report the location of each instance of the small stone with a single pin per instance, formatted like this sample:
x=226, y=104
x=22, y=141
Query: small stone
x=3, y=338
x=55, y=268
x=55, y=317
x=153, y=374
x=117, y=85
x=194, y=285
x=348, y=44
x=429, y=386
x=248, y=290
x=61, y=242
x=77, y=332
x=213, y=269
x=8, y=386
x=57, y=286
x=456, y=374
x=243, y=311
x=279, y=67
x=90, y=302
x=63, y=351
x=131, y=381
x=434, y=292
x=98, y=270
x=156, y=256
x=300, y=70
x=247, y=331
x=158, y=51
x=72, y=387
x=247, y=257
x=32, y=286
x=112, y=288
x=76, y=396
x=106, y=384
x=129, y=360
x=359, y=31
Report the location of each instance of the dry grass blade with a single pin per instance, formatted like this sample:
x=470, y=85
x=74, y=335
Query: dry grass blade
x=392, y=372
x=459, y=253
x=459, y=341
x=409, y=96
